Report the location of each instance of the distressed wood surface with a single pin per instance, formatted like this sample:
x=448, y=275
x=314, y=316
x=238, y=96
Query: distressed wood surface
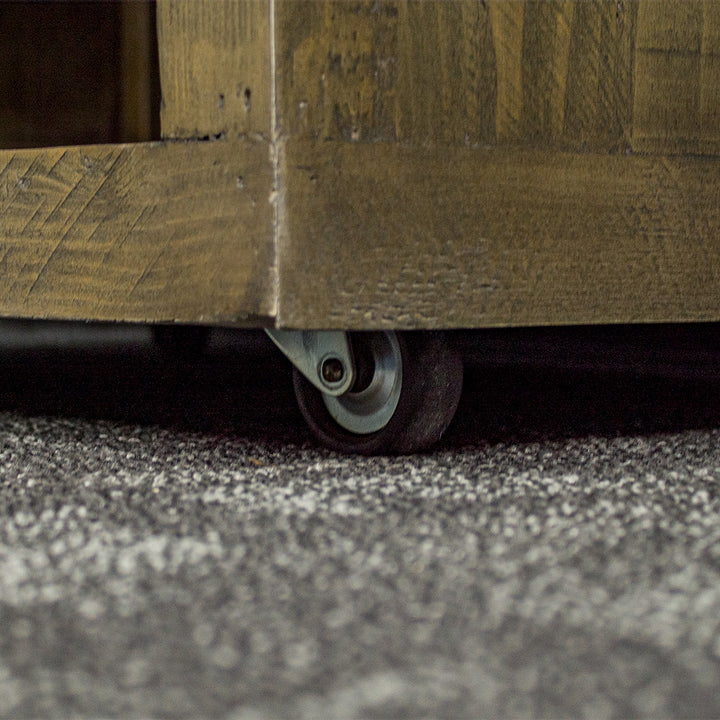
x=677, y=77
x=465, y=164
x=139, y=232
x=393, y=236
x=461, y=72
x=215, y=67
x=394, y=164
x=607, y=75
x=601, y=76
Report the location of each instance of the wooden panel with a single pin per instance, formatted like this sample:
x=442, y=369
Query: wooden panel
x=214, y=67
x=710, y=78
x=394, y=190
x=139, y=88
x=410, y=201
x=139, y=232
x=677, y=70
x=392, y=236
x=465, y=72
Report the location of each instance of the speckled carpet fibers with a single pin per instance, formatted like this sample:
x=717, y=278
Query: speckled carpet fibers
x=173, y=544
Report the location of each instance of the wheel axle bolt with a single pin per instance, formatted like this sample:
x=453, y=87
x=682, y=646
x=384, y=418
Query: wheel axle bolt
x=332, y=371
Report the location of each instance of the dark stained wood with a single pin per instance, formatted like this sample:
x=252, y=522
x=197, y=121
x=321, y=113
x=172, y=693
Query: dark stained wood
x=139, y=82
x=677, y=75
x=215, y=67
x=395, y=164
x=601, y=76
x=558, y=74
x=139, y=232
x=407, y=237
x=465, y=164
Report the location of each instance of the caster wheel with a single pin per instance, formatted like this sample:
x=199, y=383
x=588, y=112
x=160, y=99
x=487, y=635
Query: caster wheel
x=181, y=342
x=406, y=390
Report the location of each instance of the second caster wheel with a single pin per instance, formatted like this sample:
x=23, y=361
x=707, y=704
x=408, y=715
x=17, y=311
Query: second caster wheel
x=406, y=390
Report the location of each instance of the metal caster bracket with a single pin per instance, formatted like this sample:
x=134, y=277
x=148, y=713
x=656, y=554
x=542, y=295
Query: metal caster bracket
x=322, y=356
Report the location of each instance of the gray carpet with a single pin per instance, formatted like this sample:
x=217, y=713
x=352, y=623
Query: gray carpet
x=174, y=544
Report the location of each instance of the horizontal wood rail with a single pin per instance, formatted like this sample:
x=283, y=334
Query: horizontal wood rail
x=147, y=232
x=366, y=236
x=392, y=236
x=405, y=164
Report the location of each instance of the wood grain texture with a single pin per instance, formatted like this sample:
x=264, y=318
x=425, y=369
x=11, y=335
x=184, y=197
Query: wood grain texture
x=215, y=67
x=395, y=164
x=138, y=232
x=397, y=237
x=469, y=164
x=550, y=73
x=598, y=75
x=677, y=71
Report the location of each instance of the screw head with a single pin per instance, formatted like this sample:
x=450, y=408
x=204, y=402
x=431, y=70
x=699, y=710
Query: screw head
x=332, y=370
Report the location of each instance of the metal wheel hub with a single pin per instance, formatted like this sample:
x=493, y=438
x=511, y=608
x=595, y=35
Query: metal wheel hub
x=369, y=408
x=323, y=357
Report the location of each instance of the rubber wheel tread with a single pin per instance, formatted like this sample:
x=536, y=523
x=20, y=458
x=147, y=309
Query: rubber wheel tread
x=431, y=387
